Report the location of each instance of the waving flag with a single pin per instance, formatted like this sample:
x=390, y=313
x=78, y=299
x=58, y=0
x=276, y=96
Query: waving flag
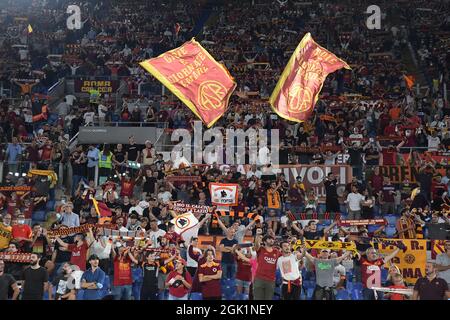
x=30, y=29
x=198, y=80
x=104, y=213
x=186, y=226
x=298, y=89
x=409, y=79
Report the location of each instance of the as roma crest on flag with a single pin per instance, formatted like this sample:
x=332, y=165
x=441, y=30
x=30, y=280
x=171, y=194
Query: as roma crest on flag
x=198, y=80
x=297, y=91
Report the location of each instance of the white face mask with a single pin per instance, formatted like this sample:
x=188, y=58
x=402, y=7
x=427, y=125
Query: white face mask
x=21, y=221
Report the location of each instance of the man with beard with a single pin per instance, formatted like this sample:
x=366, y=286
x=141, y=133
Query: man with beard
x=7, y=281
x=324, y=267
x=35, y=280
x=289, y=268
x=431, y=287
x=267, y=256
x=63, y=290
x=331, y=201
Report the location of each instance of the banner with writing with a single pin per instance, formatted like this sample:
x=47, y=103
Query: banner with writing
x=224, y=194
x=194, y=208
x=102, y=86
x=196, y=78
x=411, y=260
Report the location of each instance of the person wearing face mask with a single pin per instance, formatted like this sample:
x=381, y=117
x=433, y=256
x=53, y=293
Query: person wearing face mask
x=35, y=280
x=22, y=232
x=5, y=232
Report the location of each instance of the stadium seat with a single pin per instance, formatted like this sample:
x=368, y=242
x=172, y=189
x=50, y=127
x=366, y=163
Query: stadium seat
x=391, y=219
x=309, y=284
x=38, y=216
x=242, y=296
x=390, y=231
x=80, y=294
x=196, y=296
x=309, y=293
x=372, y=228
x=357, y=286
x=384, y=275
x=342, y=295
x=349, y=285
x=356, y=294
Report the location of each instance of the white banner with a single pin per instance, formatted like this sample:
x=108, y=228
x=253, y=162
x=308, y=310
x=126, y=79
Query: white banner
x=186, y=226
x=224, y=194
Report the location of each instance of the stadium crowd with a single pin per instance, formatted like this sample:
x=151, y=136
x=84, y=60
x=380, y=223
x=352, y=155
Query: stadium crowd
x=368, y=117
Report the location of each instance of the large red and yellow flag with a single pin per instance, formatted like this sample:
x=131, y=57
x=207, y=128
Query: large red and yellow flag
x=297, y=91
x=198, y=80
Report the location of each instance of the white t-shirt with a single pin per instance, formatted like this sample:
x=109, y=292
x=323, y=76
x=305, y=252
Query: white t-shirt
x=288, y=267
x=191, y=262
x=102, y=111
x=339, y=271
x=89, y=117
x=257, y=173
x=165, y=196
x=154, y=235
x=99, y=250
x=433, y=143
x=354, y=201
x=70, y=98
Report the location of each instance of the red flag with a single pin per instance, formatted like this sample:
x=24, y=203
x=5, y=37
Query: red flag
x=102, y=209
x=298, y=89
x=198, y=80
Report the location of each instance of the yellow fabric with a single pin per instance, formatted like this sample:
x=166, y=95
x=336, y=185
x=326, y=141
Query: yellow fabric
x=49, y=173
x=273, y=200
x=5, y=236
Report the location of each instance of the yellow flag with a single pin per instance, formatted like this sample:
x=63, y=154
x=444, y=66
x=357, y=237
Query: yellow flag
x=30, y=29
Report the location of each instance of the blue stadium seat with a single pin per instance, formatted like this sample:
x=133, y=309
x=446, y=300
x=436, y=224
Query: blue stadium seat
x=384, y=274
x=309, y=284
x=115, y=118
x=196, y=296
x=391, y=219
x=80, y=294
x=309, y=293
x=229, y=292
x=342, y=295
x=38, y=216
x=242, y=296
x=349, y=285
x=390, y=231
x=357, y=286
x=349, y=276
x=228, y=282
x=356, y=294
x=372, y=228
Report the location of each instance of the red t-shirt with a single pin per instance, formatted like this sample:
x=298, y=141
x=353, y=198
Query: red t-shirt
x=173, y=237
x=244, y=270
x=267, y=264
x=389, y=157
x=127, y=188
x=21, y=231
x=122, y=271
x=79, y=254
x=210, y=288
x=371, y=272
x=377, y=182
x=397, y=296
x=177, y=289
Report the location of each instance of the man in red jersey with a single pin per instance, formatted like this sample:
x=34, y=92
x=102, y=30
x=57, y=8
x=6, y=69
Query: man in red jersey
x=267, y=255
x=123, y=280
x=209, y=275
x=371, y=265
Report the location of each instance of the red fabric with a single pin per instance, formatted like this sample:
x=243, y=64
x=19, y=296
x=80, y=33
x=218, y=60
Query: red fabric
x=244, y=271
x=181, y=290
x=127, y=188
x=21, y=231
x=396, y=296
x=122, y=271
x=79, y=255
x=389, y=157
x=267, y=264
x=377, y=182
x=366, y=273
x=173, y=237
x=210, y=288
